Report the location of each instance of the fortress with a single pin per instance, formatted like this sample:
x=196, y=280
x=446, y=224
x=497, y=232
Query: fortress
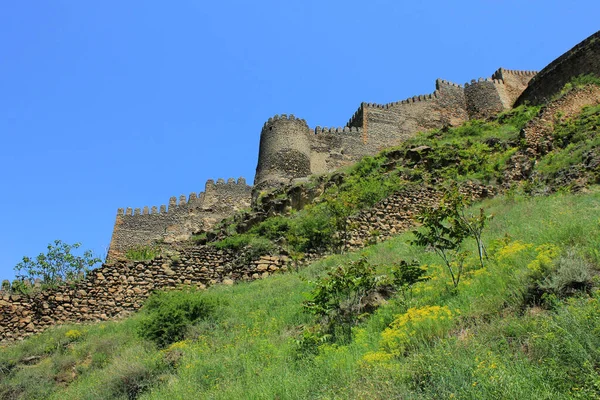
x=291, y=150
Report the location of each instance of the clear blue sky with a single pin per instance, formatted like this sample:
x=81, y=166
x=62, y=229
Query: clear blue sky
x=125, y=103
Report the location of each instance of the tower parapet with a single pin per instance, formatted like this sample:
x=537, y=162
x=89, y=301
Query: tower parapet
x=485, y=97
x=284, y=152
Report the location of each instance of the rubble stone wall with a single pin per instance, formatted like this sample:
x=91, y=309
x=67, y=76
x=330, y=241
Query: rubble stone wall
x=117, y=289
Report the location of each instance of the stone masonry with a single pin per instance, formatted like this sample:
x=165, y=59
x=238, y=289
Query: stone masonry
x=148, y=226
x=289, y=149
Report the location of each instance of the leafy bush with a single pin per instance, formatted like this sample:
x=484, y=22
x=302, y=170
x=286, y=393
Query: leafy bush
x=473, y=128
x=235, y=242
x=519, y=117
x=273, y=228
x=168, y=314
x=340, y=297
x=446, y=226
x=312, y=229
x=406, y=275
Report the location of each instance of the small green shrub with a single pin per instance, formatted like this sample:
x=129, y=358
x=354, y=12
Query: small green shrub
x=443, y=232
x=519, y=117
x=312, y=229
x=571, y=273
x=142, y=253
x=340, y=298
x=406, y=274
x=273, y=228
x=169, y=314
x=234, y=242
x=473, y=128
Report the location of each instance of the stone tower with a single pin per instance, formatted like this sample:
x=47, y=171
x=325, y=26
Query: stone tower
x=284, y=153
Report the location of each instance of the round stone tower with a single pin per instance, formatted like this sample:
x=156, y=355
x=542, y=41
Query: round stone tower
x=284, y=152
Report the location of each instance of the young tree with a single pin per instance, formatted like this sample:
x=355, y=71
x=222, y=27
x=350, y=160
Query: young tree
x=407, y=274
x=57, y=265
x=446, y=226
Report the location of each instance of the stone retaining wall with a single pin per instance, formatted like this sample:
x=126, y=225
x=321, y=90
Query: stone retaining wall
x=117, y=289
x=396, y=213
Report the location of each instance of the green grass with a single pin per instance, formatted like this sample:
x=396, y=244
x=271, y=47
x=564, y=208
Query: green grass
x=496, y=345
x=142, y=253
x=578, y=82
x=576, y=140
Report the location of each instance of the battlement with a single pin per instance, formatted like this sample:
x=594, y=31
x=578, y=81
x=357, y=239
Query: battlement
x=343, y=130
x=481, y=80
x=357, y=118
x=162, y=209
x=284, y=117
x=439, y=82
x=231, y=182
x=410, y=100
x=192, y=199
x=500, y=72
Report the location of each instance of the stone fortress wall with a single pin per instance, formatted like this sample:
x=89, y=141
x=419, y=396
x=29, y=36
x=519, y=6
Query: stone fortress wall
x=199, y=212
x=289, y=149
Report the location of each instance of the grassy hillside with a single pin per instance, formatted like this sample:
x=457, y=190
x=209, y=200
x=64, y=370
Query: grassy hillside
x=491, y=337
x=384, y=322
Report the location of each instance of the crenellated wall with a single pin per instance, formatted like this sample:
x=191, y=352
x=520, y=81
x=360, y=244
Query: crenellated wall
x=181, y=219
x=289, y=149
x=515, y=82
